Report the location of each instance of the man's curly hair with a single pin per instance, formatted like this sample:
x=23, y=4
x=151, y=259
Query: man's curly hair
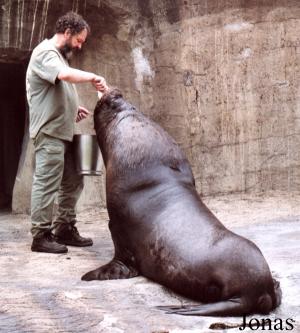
x=72, y=21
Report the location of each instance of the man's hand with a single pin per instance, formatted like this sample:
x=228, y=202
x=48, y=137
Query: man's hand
x=99, y=83
x=82, y=113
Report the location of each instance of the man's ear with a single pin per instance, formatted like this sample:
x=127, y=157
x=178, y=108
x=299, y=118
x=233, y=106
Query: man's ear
x=68, y=33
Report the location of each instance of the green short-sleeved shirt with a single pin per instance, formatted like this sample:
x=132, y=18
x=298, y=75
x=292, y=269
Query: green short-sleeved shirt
x=53, y=104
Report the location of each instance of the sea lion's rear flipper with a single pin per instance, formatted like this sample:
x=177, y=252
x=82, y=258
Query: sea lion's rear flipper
x=114, y=270
x=232, y=307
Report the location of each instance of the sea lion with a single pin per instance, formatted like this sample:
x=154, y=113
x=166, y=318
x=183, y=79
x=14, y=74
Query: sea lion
x=162, y=230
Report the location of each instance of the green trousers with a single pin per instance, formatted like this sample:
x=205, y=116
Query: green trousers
x=55, y=174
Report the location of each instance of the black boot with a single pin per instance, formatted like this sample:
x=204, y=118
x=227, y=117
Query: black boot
x=68, y=234
x=47, y=243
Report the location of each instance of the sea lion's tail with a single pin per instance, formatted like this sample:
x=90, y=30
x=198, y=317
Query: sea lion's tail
x=236, y=306
x=231, y=307
x=268, y=302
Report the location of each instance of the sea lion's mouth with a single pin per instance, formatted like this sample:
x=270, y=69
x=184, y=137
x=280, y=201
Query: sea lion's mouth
x=104, y=92
x=100, y=94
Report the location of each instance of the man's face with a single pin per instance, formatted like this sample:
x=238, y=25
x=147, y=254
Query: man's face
x=73, y=43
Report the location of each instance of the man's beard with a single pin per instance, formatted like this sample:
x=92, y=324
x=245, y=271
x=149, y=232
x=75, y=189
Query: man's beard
x=67, y=51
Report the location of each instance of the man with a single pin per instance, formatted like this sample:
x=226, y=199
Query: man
x=53, y=109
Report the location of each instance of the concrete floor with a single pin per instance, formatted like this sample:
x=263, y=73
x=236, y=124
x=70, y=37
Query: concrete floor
x=44, y=293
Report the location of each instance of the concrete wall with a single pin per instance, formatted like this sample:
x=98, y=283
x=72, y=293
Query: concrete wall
x=221, y=77
x=227, y=88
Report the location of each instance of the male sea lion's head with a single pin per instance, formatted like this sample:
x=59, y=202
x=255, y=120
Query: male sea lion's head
x=111, y=98
x=110, y=110
x=109, y=105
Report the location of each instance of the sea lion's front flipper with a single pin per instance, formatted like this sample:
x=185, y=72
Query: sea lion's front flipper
x=232, y=307
x=114, y=270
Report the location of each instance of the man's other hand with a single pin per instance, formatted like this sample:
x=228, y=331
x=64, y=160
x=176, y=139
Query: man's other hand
x=82, y=113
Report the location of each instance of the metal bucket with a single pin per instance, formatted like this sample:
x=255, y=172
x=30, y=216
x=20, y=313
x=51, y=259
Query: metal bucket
x=87, y=155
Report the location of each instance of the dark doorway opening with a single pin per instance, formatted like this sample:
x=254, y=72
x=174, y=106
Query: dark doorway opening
x=12, y=126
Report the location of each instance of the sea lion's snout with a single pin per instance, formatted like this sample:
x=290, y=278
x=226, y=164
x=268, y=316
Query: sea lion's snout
x=100, y=94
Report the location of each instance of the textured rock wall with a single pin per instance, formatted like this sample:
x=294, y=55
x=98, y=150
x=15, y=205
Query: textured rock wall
x=227, y=88
x=221, y=77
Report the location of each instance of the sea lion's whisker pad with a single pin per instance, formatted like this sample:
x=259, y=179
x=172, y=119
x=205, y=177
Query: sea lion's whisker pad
x=162, y=230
